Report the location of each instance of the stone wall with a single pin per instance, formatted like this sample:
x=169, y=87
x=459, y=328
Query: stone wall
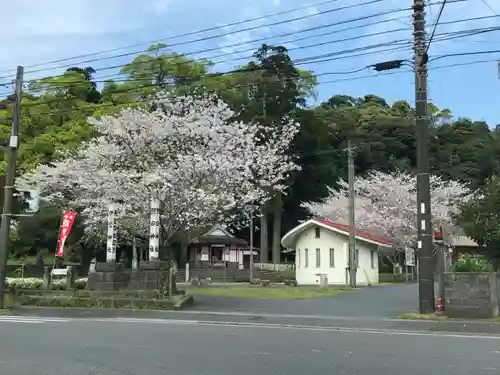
x=471, y=295
x=232, y=275
x=114, y=277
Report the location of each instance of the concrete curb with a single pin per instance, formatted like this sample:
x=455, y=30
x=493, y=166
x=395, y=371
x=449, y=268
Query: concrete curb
x=184, y=303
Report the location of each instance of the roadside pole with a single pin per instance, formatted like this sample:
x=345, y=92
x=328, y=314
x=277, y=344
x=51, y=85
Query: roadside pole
x=9, y=183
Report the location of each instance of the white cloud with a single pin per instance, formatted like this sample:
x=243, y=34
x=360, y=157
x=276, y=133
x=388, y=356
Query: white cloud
x=58, y=17
x=49, y=30
x=236, y=42
x=162, y=6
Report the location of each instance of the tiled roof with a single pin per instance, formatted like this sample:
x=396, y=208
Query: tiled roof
x=359, y=233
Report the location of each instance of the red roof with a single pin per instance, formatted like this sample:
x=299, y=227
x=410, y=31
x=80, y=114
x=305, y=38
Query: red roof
x=363, y=234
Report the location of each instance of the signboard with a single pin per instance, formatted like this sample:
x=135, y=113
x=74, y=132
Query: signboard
x=154, y=230
x=410, y=257
x=111, y=239
x=66, y=223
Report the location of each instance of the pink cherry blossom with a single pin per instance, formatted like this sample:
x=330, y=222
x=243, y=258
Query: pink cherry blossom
x=188, y=153
x=386, y=203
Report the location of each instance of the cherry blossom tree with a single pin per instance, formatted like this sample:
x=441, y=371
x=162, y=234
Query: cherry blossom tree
x=188, y=153
x=386, y=203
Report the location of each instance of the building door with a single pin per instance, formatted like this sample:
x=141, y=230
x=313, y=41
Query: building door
x=217, y=253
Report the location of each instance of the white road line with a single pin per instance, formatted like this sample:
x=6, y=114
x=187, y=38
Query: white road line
x=297, y=327
x=25, y=319
x=299, y=316
x=21, y=321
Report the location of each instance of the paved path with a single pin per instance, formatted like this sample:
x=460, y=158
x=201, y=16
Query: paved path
x=380, y=302
x=127, y=347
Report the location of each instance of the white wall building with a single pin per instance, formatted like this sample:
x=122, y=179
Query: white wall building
x=322, y=247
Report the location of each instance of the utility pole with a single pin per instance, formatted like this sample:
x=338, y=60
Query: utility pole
x=9, y=183
x=353, y=262
x=424, y=241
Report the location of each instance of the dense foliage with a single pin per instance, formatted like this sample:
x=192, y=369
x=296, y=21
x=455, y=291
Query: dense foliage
x=269, y=90
x=473, y=263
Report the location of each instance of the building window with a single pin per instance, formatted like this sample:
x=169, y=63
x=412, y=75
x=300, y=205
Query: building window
x=297, y=255
x=318, y=258
x=318, y=232
x=357, y=257
x=332, y=258
x=306, y=258
x=373, y=258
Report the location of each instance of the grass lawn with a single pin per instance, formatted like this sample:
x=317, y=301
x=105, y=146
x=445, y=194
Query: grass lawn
x=437, y=316
x=273, y=291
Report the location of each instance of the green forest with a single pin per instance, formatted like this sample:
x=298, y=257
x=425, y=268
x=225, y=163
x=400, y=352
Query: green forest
x=267, y=89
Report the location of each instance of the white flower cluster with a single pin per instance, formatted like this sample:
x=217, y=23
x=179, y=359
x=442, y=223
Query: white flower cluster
x=386, y=203
x=189, y=153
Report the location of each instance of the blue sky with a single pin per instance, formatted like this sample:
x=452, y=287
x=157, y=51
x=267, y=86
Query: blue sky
x=57, y=29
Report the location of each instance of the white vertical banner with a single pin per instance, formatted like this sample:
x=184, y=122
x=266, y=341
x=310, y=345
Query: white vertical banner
x=154, y=230
x=111, y=239
x=409, y=257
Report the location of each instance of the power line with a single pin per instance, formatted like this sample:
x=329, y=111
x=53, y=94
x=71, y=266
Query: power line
x=337, y=23
x=149, y=83
x=290, y=49
x=312, y=59
x=452, y=35
x=489, y=7
x=435, y=26
x=449, y=36
x=104, y=105
x=246, y=29
x=466, y=54
x=307, y=37
x=306, y=16
x=91, y=107
x=309, y=60
x=248, y=20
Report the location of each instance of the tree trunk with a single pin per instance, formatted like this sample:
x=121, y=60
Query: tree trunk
x=277, y=207
x=264, y=238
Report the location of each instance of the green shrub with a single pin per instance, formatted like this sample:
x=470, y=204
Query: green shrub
x=14, y=283
x=473, y=263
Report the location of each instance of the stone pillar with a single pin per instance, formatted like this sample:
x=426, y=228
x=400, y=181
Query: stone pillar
x=111, y=240
x=154, y=231
x=69, y=277
x=135, y=255
x=92, y=265
x=240, y=259
x=46, y=277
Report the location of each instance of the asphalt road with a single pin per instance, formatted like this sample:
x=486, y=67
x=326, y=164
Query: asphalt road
x=36, y=346
x=376, y=302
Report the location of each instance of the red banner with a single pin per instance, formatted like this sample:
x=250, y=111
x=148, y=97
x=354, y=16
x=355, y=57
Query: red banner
x=66, y=224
